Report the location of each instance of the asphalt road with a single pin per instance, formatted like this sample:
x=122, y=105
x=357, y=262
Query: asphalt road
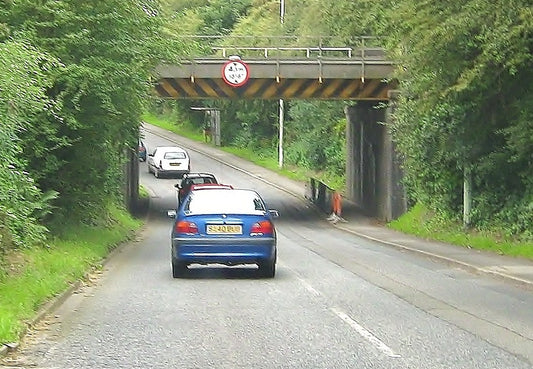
x=337, y=301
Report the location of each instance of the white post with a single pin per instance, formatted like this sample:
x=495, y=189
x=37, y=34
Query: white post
x=281, y=107
x=361, y=161
x=467, y=196
x=216, y=123
x=280, y=143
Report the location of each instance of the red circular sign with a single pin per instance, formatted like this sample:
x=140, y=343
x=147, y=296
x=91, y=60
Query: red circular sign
x=235, y=73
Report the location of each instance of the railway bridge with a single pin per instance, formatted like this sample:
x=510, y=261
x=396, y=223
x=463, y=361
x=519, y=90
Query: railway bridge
x=361, y=74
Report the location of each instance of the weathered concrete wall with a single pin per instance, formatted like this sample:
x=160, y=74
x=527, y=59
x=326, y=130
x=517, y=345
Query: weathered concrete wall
x=396, y=192
x=373, y=173
x=353, y=157
x=363, y=141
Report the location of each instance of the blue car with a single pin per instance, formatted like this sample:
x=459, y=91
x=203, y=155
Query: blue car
x=221, y=226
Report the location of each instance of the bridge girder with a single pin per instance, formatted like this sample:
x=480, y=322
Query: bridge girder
x=274, y=79
x=262, y=88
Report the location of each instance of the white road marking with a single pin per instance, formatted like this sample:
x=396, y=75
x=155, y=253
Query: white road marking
x=365, y=333
x=306, y=285
x=310, y=288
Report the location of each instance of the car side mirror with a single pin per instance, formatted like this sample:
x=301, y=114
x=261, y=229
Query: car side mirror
x=172, y=213
x=274, y=213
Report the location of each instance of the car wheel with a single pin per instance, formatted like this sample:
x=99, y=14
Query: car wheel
x=178, y=269
x=267, y=269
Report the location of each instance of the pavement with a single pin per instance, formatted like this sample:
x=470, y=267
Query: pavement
x=513, y=269
x=518, y=270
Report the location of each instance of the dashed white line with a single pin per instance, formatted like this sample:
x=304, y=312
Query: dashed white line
x=365, y=333
x=310, y=288
x=362, y=331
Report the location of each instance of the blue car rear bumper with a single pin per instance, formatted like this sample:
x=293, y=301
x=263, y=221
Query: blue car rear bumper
x=224, y=251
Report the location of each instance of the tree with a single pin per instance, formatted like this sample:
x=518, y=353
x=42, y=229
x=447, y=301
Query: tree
x=108, y=49
x=23, y=84
x=315, y=137
x=465, y=77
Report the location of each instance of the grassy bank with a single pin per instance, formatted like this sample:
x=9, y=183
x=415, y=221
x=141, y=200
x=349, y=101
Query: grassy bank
x=30, y=277
x=421, y=222
x=418, y=221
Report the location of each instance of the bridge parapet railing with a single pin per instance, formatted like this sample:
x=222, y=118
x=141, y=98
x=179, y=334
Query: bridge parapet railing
x=284, y=47
x=308, y=52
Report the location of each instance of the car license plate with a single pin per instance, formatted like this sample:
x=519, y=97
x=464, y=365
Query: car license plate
x=175, y=164
x=224, y=229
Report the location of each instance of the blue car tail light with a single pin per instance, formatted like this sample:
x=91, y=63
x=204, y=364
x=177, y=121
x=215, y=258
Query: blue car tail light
x=262, y=228
x=186, y=227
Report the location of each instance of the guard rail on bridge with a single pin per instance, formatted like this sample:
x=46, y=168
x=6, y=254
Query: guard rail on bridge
x=309, y=52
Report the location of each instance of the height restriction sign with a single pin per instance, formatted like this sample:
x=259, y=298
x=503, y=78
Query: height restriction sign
x=235, y=72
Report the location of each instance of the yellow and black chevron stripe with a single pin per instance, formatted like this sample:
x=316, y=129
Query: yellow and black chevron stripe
x=266, y=88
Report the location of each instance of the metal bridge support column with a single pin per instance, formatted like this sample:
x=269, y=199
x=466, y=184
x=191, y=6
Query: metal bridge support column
x=373, y=177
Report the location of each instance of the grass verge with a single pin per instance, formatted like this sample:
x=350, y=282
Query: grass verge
x=421, y=222
x=32, y=276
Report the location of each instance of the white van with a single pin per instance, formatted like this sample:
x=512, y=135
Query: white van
x=169, y=161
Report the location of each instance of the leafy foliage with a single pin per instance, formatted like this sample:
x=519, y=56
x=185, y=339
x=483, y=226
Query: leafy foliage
x=315, y=136
x=107, y=55
x=466, y=83
x=466, y=97
x=74, y=80
x=23, y=85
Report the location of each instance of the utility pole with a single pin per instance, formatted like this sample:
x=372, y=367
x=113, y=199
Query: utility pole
x=281, y=102
x=280, y=144
x=467, y=196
